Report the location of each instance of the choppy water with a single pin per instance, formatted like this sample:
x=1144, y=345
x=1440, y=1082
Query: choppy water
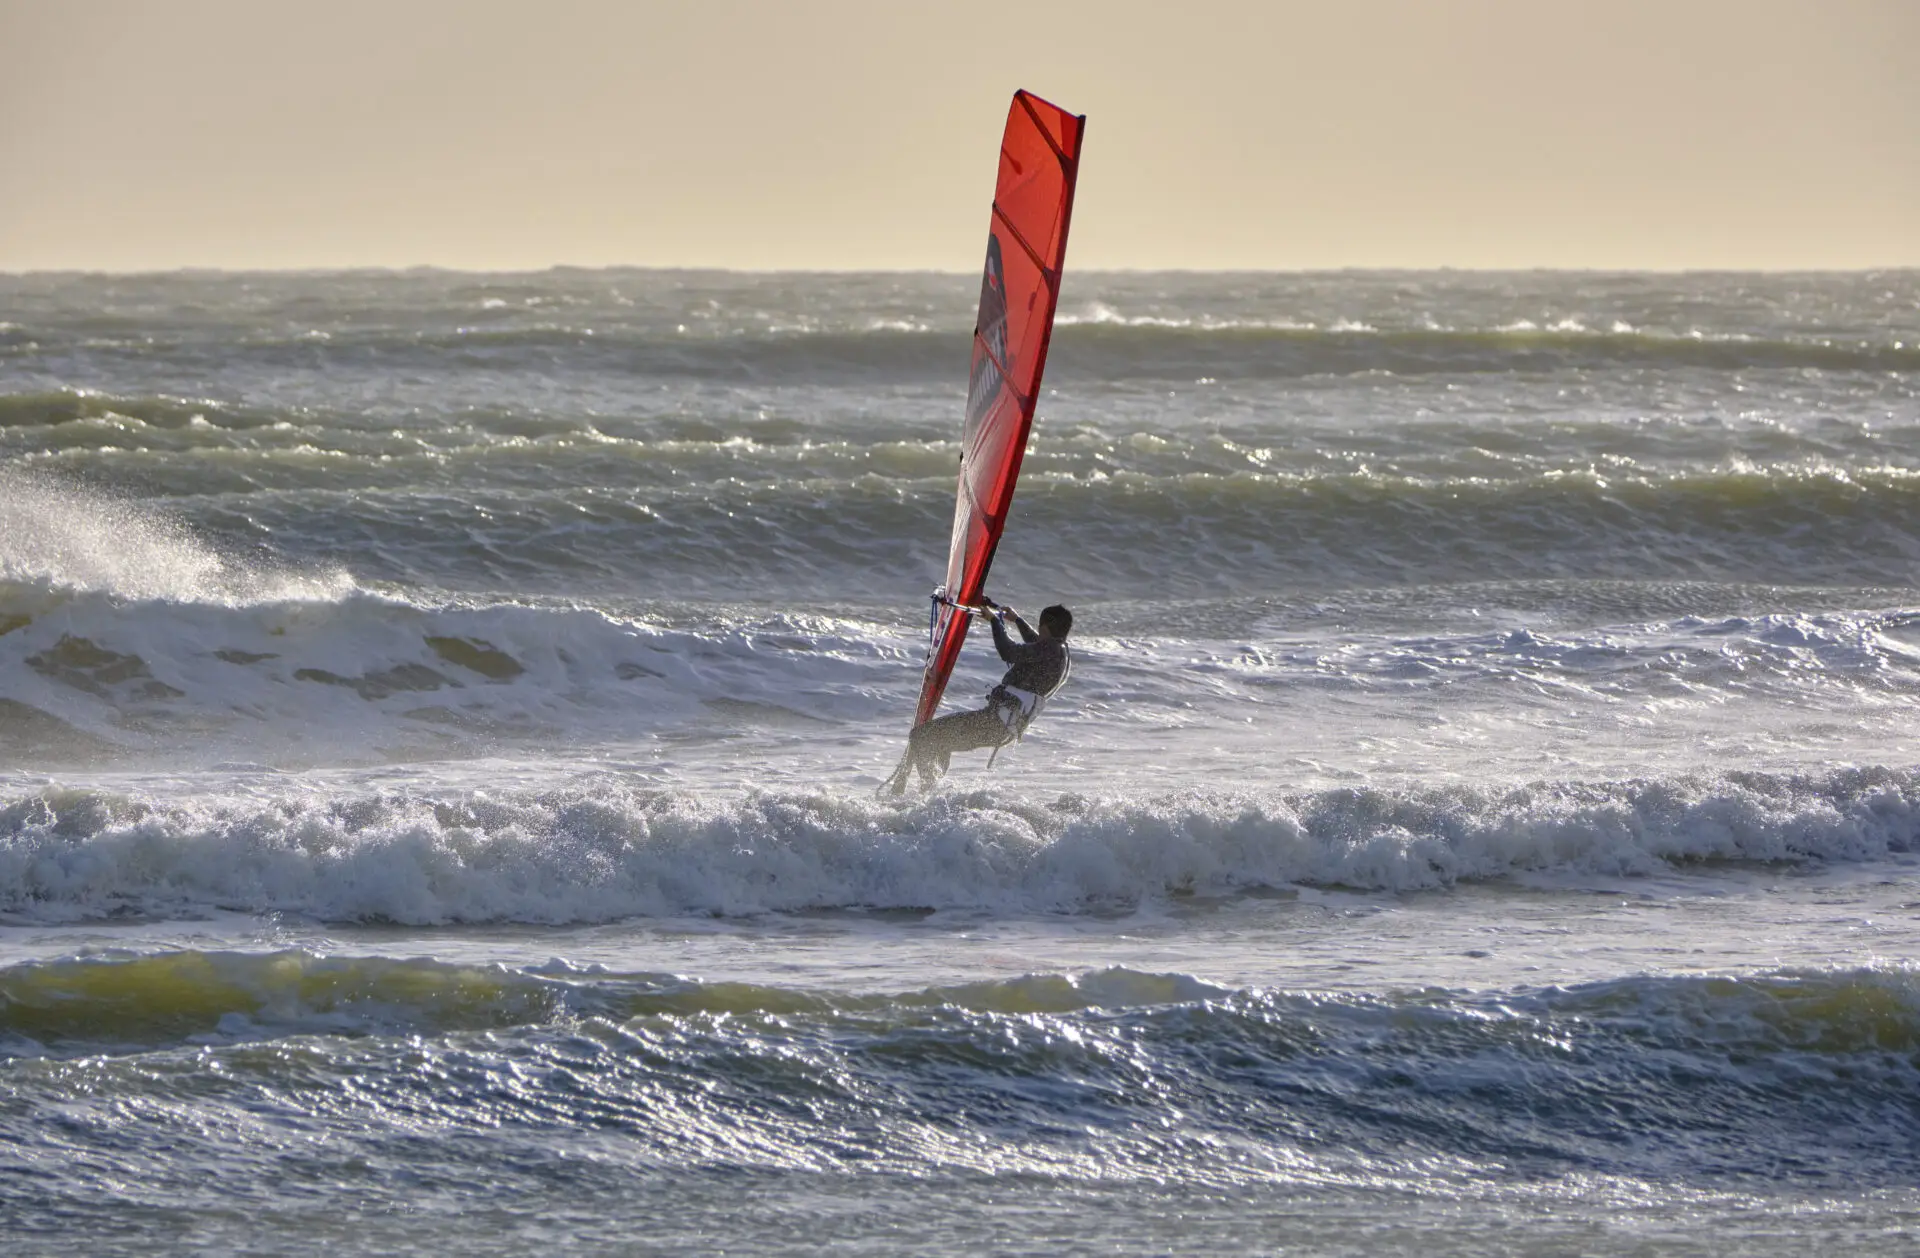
x=439, y=716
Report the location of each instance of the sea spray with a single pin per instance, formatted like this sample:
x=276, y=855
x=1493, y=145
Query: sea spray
x=64, y=536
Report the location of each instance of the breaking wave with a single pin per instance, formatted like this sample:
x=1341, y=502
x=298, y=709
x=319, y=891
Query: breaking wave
x=611, y=852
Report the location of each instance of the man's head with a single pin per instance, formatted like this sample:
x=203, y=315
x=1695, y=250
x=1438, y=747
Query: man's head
x=1056, y=621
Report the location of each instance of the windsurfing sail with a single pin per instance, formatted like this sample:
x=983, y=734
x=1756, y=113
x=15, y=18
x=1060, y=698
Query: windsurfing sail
x=1026, y=245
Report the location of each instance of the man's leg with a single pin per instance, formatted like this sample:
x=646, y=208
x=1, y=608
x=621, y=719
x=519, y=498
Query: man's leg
x=931, y=746
x=897, y=784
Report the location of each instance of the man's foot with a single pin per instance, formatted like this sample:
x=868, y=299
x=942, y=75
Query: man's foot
x=897, y=784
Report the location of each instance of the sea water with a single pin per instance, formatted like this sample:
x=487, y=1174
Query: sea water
x=440, y=718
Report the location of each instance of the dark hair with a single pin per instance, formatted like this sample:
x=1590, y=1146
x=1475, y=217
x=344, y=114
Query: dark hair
x=1057, y=621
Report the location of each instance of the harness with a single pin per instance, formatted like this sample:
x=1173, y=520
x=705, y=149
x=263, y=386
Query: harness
x=1017, y=708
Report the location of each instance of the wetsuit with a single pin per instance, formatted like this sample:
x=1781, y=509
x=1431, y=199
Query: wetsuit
x=1036, y=667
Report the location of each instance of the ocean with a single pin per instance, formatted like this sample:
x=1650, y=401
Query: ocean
x=440, y=718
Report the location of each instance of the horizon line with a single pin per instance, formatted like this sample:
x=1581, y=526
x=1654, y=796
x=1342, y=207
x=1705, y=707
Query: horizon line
x=552, y=268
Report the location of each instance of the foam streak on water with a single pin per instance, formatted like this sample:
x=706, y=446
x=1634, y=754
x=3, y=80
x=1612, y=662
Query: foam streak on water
x=439, y=719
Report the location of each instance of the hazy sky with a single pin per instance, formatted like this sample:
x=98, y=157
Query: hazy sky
x=1474, y=133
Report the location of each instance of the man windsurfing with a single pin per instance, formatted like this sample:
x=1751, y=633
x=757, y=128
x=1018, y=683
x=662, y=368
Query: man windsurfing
x=1037, y=666
x=1019, y=293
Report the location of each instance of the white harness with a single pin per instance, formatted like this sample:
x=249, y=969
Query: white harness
x=1024, y=707
x=1016, y=708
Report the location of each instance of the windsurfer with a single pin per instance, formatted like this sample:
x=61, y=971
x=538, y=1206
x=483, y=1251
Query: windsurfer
x=1036, y=667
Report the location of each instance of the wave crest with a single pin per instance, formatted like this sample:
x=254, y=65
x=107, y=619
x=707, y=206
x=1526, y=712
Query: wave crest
x=609, y=853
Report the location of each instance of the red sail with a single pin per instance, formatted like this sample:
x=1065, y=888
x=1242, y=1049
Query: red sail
x=1026, y=244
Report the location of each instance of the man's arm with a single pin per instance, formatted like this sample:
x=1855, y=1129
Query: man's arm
x=1008, y=649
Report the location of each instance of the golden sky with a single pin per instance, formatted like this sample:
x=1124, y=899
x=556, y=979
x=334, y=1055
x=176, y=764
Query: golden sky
x=140, y=134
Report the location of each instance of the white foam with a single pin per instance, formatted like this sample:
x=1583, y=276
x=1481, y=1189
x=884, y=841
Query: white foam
x=609, y=852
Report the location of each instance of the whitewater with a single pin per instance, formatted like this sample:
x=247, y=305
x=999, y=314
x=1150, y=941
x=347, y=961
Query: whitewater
x=440, y=718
